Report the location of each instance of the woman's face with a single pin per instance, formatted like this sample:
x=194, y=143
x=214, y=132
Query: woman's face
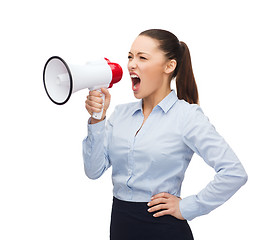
x=146, y=66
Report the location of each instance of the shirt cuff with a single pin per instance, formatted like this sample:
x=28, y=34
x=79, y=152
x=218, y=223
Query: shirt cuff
x=189, y=208
x=96, y=128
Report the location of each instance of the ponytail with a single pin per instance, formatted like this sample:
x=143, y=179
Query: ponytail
x=174, y=49
x=185, y=81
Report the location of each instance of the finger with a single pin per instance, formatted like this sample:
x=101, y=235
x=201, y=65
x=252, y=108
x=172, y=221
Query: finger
x=94, y=102
x=96, y=110
x=161, y=213
x=157, y=201
x=161, y=195
x=105, y=91
x=89, y=103
x=158, y=207
x=88, y=108
x=95, y=93
x=94, y=99
x=93, y=108
x=95, y=105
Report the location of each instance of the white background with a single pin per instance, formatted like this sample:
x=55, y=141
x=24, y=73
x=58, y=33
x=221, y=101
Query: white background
x=44, y=193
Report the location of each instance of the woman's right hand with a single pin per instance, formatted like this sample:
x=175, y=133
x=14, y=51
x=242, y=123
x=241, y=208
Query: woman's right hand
x=94, y=103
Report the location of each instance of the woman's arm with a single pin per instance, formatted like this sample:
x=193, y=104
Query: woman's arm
x=95, y=149
x=95, y=145
x=200, y=135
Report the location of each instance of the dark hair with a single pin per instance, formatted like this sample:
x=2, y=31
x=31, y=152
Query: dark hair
x=174, y=49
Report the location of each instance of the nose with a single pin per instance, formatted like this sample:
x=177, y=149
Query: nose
x=131, y=64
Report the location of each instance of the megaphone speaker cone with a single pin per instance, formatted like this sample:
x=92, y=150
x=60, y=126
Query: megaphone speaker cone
x=57, y=80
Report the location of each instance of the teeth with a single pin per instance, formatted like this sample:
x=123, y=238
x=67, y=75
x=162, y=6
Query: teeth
x=134, y=76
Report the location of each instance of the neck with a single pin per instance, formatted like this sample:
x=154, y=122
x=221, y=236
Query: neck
x=154, y=99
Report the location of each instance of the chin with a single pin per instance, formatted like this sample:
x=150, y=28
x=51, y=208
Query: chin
x=138, y=95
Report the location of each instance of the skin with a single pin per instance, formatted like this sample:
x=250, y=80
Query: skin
x=146, y=60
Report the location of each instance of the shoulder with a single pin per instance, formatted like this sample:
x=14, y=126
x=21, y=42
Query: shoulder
x=187, y=109
x=191, y=115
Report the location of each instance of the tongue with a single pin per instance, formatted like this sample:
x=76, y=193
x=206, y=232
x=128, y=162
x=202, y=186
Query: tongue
x=136, y=86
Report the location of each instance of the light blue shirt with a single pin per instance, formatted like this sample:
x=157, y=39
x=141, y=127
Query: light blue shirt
x=155, y=159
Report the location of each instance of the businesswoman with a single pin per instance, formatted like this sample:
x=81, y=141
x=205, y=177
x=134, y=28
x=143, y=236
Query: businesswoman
x=149, y=144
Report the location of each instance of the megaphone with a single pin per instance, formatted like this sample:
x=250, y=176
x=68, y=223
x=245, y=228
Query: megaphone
x=62, y=79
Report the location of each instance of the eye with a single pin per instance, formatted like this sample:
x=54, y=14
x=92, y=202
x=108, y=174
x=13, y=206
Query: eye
x=129, y=57
x=143, y=58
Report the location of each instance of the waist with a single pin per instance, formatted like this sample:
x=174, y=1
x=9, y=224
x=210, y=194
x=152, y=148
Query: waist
x=139, y=210
x=130, y=204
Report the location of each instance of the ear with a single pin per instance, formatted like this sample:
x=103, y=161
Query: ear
x=170, y=66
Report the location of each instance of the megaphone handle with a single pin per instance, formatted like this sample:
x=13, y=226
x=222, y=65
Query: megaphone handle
x=98, y=116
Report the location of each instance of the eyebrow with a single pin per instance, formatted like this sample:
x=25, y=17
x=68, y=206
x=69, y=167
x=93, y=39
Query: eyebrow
x=139, y=53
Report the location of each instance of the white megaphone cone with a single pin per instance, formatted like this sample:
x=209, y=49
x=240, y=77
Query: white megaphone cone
x=62, y=79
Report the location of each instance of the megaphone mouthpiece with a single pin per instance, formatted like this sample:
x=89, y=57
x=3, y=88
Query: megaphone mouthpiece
x=117, y=72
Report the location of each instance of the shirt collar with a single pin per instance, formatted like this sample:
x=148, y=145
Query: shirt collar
x=165, y=104
x=137, y=107
x=168, y=101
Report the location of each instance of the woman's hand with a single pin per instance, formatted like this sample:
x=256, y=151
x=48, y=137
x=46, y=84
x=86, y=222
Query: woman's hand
x=94, y=103
x=166, y=202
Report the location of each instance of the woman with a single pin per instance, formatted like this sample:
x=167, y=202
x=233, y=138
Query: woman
x=150, y=143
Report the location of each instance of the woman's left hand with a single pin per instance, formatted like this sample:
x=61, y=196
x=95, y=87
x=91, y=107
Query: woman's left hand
x=166, y=202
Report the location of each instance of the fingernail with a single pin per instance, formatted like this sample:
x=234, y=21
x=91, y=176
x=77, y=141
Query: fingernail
x=152, y=198
x=154, y=215
x=148, y=204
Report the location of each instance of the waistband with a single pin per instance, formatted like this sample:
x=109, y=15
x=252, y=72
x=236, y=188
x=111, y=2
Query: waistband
x=131, y=205
x=139, y=210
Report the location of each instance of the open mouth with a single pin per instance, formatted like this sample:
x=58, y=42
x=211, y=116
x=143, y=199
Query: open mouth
x=135, y=82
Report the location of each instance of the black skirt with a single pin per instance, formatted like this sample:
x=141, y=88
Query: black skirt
x=132, y=221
